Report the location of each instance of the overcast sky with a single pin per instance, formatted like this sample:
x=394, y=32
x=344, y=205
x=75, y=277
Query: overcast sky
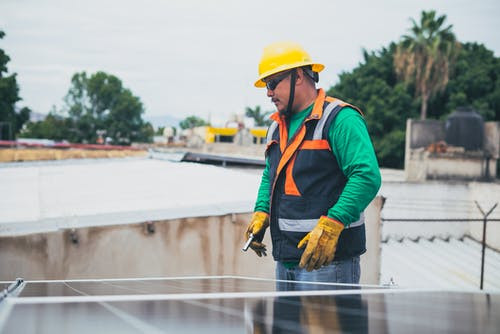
x=184, y=57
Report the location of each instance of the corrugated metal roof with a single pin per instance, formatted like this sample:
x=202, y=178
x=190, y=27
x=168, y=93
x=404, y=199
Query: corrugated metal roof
x=453, y=263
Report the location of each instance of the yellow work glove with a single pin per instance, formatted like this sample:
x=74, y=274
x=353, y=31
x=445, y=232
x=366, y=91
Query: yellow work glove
x=258, y=226
x=321, y=243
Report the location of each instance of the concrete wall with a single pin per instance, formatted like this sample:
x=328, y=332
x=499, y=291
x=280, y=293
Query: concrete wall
x=419, y=135
x=443, y=166
x=371, y=260
x=492, y=139
x=180, y=247
x=423, y=133
x=421, y=165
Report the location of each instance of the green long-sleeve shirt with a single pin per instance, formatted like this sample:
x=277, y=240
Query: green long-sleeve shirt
x=351, y=145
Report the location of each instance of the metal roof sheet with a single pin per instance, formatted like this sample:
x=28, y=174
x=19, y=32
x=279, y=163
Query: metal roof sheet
x=453, y=263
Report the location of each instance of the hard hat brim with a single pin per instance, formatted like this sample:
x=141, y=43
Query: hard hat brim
x=260, y=83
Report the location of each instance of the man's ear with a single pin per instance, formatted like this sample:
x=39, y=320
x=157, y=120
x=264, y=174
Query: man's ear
x=300, y=77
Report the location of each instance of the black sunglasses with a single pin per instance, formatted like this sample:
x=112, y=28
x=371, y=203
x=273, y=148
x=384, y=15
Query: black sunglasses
x=271, y=84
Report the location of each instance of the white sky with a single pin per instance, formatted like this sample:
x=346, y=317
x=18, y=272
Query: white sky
x=184, y=57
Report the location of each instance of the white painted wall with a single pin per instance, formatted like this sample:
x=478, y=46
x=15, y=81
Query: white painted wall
x=178, y=247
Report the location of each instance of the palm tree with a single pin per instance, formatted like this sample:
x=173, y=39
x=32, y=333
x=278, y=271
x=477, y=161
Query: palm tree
x=261, y=118
x=426, y=56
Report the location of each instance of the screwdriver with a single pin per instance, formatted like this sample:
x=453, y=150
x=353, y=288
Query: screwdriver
x=249, y=241
x=247, y=244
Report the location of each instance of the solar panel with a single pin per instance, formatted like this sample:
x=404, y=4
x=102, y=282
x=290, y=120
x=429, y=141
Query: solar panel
x=230, y=304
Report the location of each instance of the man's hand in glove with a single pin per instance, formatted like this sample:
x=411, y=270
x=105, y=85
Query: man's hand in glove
x=321, y=243
x=257, y=227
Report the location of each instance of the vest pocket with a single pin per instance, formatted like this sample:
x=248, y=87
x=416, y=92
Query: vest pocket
x=293, y=214
x=294, y=207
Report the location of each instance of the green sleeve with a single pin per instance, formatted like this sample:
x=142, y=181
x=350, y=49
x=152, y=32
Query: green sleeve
x=262, y=203
x=352, y=147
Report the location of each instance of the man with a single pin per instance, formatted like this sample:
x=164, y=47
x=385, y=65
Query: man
x=321, y=172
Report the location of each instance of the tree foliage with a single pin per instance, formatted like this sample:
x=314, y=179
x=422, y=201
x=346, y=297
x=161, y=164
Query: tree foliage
x=11, y=120
x=260, y=118
x=388, y=102
x=425, y=57
x=54, y=127
x=100, y=102
x=192, y=122
x=97, y=104
x=476, y=82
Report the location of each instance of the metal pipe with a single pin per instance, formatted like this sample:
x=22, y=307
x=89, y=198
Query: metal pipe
x=483, y=249
x=485, y=220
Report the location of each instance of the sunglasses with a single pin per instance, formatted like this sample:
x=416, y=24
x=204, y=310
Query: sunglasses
x=271, y=84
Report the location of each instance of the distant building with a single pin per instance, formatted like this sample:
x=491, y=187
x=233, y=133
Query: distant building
x=198, y=136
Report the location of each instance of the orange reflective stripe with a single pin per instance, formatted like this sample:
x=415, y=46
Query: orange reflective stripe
x=329, y=99
x=290, y=186
x=290, y=150
x=318, y=105
x=315, y=145
x=343, y=104
x=275, y=116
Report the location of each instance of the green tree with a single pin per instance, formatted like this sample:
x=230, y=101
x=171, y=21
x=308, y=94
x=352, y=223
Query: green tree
x=54, y=126
x=11, y=120
x=159, y=131
x=100, y=102
x=191, y=122
x=425, y=57
x=260, y=118
x=475, y=82
x=386, y=103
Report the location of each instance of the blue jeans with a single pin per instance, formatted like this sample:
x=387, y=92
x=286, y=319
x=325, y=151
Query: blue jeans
x=345, y=271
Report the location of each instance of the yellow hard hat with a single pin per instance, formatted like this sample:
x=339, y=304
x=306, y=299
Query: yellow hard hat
x=282, y=56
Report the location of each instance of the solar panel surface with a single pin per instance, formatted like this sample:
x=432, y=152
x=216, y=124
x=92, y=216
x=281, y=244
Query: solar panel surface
x=241, y=305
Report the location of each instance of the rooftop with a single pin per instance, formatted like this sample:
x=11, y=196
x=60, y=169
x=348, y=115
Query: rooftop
x=439, y=263
x=47, y=196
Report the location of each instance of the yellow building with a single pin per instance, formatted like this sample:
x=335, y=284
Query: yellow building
x=213, y=135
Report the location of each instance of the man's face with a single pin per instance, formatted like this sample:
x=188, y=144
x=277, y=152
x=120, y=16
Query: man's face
x=278, y=89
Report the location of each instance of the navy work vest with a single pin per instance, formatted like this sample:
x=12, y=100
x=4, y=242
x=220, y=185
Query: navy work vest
x=306, y=181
